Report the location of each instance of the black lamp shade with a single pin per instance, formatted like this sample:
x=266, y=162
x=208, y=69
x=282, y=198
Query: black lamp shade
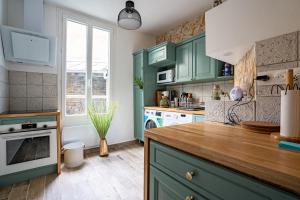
x=129, y=18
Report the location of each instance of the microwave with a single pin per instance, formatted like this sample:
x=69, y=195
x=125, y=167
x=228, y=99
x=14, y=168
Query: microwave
x=167, y=76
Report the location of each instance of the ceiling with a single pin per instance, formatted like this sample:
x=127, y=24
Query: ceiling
x=158, y=16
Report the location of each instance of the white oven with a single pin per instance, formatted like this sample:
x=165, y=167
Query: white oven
x=27, y=149
x=167, y=76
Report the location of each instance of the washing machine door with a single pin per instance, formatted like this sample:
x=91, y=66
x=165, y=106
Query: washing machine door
x=150, y=124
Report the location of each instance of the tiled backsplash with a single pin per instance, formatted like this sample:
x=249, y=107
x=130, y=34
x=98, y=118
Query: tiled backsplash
x=29, y=92
x=202, y=91
x=4, y=90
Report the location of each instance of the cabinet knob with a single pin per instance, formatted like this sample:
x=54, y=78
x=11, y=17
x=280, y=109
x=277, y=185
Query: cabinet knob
x=189, y=175
x=189, y=198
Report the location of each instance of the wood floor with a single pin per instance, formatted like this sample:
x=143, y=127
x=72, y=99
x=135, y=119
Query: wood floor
x=118, y=177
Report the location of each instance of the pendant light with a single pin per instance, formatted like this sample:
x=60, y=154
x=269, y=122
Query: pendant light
x=129, y=18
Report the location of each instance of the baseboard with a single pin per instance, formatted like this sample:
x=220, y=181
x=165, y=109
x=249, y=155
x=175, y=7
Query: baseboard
x=113, y=146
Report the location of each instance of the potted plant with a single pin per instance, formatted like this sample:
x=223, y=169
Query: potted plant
x=101, y=117
x=138, y=82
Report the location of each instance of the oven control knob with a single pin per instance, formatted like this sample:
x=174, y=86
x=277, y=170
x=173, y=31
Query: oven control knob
x=45, y=126
x=11, y=129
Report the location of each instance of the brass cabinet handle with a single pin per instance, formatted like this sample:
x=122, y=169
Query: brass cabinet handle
x=189, y=175
x=189, y=198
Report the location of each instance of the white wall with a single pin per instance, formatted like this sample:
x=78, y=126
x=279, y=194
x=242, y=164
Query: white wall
x=234, y=26
x=3, y=11
x=3, y=71
x=125, y=43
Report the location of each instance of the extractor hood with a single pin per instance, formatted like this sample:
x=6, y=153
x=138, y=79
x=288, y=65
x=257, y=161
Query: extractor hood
x=233, y=27
x=29, y=45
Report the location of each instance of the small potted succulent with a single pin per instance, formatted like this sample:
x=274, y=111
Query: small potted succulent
x=101, y=117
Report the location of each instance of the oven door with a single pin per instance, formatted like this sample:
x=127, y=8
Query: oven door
x=27, y=150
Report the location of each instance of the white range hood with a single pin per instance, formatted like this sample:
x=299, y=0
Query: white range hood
x=233, y=27
x=29, y=45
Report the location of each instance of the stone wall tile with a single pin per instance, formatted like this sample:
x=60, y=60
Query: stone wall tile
x=277, y=50
x=215, y=111
x=244, y=112
x=34, y=91
x=268, y=109
x=17, y=90
x=34, y=78
x=34, y=104
x=17, y=78
x=49, y=79
x=49, y=104
x=265, y=90
x=17, y=104
x=49, y=91
x=277, y=66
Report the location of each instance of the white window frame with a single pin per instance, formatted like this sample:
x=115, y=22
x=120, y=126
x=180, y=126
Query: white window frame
x=91, y=23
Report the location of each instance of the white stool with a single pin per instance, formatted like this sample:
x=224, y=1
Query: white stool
x=73, y=154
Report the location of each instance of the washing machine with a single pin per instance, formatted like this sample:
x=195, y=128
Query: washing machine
x=174, y=118
x=153, y=119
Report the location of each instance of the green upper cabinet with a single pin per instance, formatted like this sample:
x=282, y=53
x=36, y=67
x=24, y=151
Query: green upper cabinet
x=192, y=64
x=162, y=55
x=203, y=66
x=184, y=62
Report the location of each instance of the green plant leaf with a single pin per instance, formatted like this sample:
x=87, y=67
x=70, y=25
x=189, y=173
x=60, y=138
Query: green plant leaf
x=138, y=82
x=101, y=117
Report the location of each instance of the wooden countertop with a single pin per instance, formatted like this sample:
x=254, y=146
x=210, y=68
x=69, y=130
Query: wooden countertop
x=198, y=112
x=251, y=153
x=12, y=115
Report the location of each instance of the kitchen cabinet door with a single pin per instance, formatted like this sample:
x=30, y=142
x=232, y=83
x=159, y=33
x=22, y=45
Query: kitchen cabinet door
x=138, y=96
x=138, y=113
x=203, y=66
x=184, y=62
x=162, y=54
x=163, y=187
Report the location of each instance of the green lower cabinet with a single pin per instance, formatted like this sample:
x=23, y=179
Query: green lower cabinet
x=138, y=114
x=203, y=66
x=184, y=62
x=177, y=175
x=163, y=187
x=10, y=179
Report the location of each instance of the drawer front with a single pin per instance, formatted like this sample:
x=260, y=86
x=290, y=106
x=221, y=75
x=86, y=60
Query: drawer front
x=210, y=180
x=163, y=187
x=158, y=55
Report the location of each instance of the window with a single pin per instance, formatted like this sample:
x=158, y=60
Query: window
x=87, y=62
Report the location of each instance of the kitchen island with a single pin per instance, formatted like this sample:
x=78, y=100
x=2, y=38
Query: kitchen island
x=214, y=161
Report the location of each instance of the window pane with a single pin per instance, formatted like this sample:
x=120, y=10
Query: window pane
x=76, y=68
x=101, y=50
x=76, y=83
x=76, y=46
x=101, y=102
x=75, y=106
x=99, y=84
